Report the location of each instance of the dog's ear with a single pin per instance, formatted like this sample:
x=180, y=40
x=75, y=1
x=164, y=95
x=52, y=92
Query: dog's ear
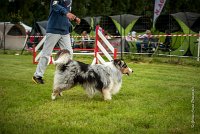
x=117, y=62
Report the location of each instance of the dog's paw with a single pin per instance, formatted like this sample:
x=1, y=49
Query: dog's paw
x=108, y=98
x=53, y=97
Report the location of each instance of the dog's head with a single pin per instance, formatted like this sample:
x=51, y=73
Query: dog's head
x=62, y=57
x=122, y=66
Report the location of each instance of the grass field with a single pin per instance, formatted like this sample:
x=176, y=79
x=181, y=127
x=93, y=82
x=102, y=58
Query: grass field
x=157, y=98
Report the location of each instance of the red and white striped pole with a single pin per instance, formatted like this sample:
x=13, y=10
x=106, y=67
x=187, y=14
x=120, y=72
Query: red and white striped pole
x=115, y=53
x=34, y=54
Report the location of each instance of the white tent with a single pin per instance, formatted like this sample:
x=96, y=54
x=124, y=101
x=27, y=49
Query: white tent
x=15, y=35
x=27, y=28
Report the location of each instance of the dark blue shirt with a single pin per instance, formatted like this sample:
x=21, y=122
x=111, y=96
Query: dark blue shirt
x=58, y=23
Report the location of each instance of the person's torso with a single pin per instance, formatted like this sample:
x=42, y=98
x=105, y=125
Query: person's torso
x=58, y=23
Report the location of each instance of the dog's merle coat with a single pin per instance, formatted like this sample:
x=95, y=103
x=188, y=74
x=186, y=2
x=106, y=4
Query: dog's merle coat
x=106, y=78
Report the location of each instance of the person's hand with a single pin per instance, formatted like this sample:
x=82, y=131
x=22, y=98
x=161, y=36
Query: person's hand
x=77, y=20
x=73, y=17
x=70, y=16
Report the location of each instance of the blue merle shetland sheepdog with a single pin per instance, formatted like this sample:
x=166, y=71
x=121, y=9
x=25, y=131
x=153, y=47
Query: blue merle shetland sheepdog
x=105, y=78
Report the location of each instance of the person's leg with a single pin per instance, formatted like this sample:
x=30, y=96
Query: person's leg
x=65, y=43
x=50, y=42
x=167, y=45
x=138, y=45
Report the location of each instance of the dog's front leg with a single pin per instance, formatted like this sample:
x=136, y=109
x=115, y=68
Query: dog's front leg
x=57, y=90
x=106, y=94
x=55, y=93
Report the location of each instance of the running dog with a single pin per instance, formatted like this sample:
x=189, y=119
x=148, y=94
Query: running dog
x=105, y=78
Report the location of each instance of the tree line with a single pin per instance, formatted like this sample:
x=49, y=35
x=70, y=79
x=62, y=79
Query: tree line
x=29, y=11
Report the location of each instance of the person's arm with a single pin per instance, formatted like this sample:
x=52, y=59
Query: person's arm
x=63, y=11
x=141, y=37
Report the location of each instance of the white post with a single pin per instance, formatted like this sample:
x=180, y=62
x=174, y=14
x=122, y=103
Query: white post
x=198, y=47
x=99, y=46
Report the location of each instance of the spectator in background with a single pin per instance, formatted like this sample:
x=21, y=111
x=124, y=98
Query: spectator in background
x=37, y=38
x=34, y=40
x=30, y=42
x=143, y=40
x=166, y=45
x=131, y=36
x=107, y=35
x=84, y=40
x=168, y=40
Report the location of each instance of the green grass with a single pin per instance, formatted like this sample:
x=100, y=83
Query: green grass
x=155, y=99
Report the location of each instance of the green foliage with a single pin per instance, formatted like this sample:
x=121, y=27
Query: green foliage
x=15, y=17
x=35, y=10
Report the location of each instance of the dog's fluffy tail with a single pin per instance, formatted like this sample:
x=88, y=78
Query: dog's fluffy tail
x=62, y=57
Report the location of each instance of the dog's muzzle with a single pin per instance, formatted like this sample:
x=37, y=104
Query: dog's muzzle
x=129, y=71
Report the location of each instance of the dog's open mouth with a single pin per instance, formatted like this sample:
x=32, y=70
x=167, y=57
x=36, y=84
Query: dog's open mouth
x=128, y=73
